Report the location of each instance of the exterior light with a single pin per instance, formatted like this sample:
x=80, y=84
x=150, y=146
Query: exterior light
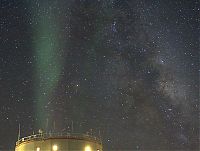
x=88, y=148
x=38, y=149
x=55, y=147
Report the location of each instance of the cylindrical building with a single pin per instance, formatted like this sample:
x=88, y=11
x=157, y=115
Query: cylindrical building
x=59, y=142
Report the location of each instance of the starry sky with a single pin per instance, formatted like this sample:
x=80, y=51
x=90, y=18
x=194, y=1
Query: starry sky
x=128, y=69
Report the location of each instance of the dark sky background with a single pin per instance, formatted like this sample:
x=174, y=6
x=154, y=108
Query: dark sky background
x=126, y=68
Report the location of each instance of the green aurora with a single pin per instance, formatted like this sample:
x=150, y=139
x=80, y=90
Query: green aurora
x=49, y=64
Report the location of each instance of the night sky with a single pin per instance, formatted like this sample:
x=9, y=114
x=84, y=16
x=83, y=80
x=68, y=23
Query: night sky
x=128, y=69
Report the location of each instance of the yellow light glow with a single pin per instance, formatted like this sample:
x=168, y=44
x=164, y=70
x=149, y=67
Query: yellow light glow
x=88, y=148
x=55, y=147
x=38, y=149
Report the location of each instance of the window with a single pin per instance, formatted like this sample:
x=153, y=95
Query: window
x=55, y=147
x=88, y=148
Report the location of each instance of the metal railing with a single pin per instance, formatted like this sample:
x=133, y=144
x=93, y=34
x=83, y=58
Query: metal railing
x=43, y=136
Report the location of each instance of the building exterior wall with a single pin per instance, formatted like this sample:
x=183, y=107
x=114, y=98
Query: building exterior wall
x=63, y=144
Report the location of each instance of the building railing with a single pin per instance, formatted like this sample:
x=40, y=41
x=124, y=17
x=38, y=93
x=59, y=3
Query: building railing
x=43, y=136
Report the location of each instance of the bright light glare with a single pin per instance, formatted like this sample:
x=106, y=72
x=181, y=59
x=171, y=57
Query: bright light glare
x=38, y=149
x=55, y=147
x=88, y=148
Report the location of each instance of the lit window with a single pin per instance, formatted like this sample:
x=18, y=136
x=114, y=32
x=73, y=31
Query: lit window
x=88, y=148
x=38, y=149
x=55, y=147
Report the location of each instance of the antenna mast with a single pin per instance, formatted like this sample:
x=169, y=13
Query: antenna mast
x=54, y=126
x=47, y=125
x=72, y=126
x=19, y=132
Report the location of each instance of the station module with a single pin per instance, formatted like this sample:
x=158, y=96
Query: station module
x=59, y=142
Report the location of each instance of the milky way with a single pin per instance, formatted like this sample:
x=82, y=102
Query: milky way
x=128, y=70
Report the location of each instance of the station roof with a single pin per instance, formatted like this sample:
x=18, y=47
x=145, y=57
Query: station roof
x=47, y=136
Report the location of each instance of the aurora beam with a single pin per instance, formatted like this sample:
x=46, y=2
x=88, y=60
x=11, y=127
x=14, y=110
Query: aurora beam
x=48, y=62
